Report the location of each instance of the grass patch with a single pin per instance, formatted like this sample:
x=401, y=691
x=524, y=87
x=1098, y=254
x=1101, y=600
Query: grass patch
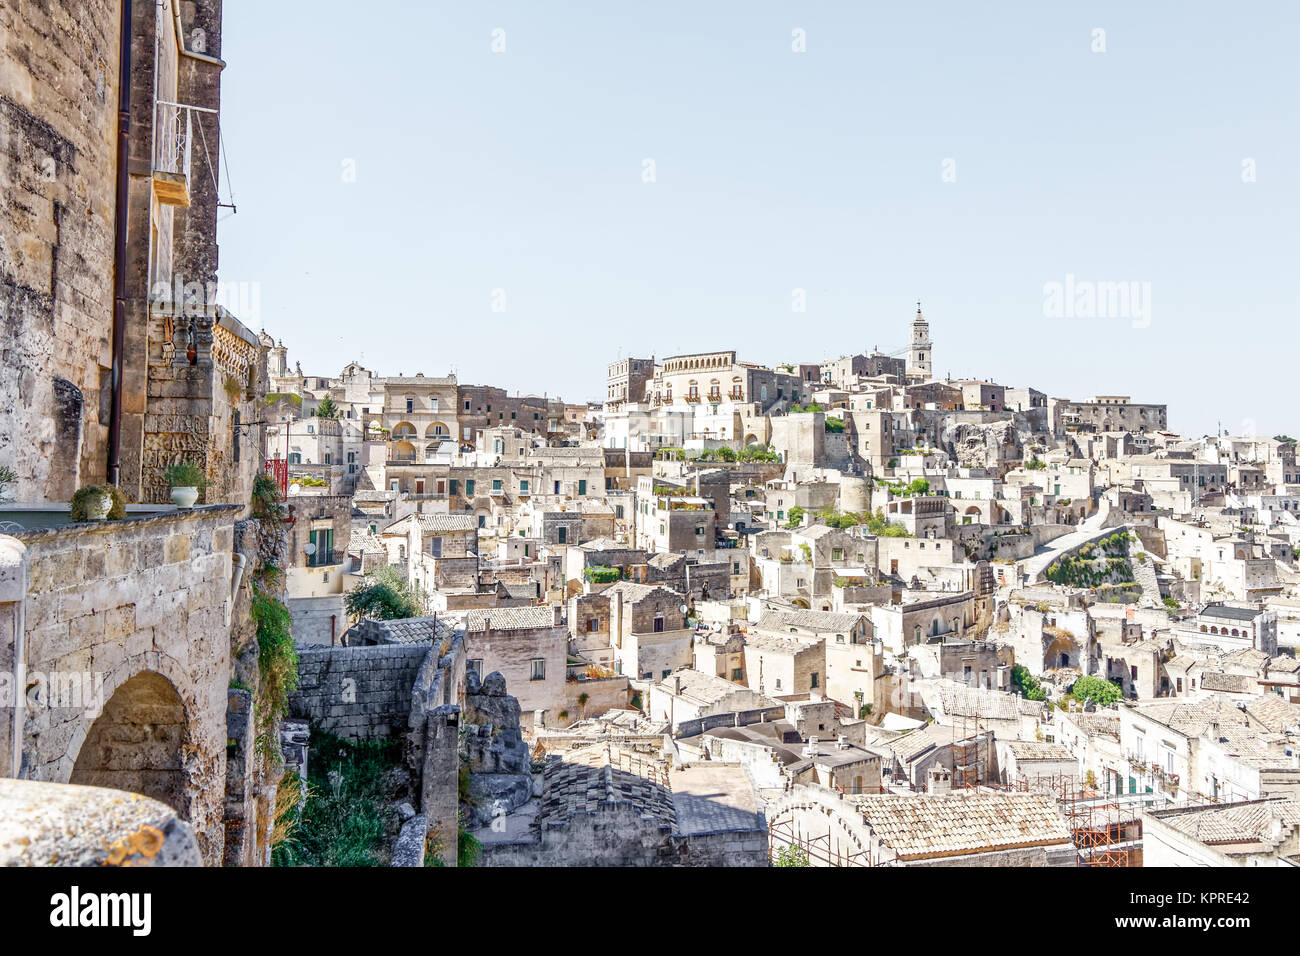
x=347, y=819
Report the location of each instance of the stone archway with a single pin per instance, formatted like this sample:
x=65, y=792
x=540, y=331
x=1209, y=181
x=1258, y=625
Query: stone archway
x=823, y=826
x=138, y=743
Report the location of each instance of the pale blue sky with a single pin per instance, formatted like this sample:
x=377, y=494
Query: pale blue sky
x=776, y=171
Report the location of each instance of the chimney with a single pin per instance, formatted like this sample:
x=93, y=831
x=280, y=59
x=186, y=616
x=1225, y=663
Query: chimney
x=843, y=742
x=677, y=685
x=810, y=748
x=557, y=614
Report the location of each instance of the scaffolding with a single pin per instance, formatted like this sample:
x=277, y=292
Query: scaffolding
x=1106, y=829
x=967, y=755
x=819, y=849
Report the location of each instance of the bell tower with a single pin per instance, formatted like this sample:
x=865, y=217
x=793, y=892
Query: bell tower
x=919, y=359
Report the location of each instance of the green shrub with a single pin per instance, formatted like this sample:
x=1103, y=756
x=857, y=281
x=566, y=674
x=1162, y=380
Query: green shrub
x=277, y=659
x=601, y=574
x=1025, y=684
x=79, y=511
x=791, y=856
x=1101, y=692
x=185, y=475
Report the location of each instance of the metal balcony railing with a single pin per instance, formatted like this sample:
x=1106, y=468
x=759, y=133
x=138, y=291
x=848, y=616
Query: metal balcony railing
x=173, y=141
x=323, y=559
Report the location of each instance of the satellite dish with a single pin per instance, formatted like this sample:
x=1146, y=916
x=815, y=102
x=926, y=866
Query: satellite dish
x=309, y=548
x=682, y=609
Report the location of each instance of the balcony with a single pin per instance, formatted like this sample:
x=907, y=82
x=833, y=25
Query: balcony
x=325, y=559
x=172, y=136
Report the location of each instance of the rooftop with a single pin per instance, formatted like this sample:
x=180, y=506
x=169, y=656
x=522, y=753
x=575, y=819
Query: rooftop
x=1252, y=826
x=932, y=827
x=511, y=618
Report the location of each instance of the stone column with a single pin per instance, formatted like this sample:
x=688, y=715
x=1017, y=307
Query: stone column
x=439, y=798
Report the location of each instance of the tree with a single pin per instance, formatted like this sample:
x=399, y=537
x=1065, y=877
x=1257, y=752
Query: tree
x=1103, y=693
x=327, y=408
x=1024, y=684
x=383, y=596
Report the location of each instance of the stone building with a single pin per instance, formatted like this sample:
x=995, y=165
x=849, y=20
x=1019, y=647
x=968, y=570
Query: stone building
x=625, y=381
x=528, y=645
x=88, y=286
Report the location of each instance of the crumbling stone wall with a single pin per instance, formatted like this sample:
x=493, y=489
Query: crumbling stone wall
x=357, y=692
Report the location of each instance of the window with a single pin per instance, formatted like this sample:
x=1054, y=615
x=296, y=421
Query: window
x=582, y=486
x=410, y=403
x=593, y=625
x=523, y=487
x=837, y=554
x=496, y=484
x=737, y=673
x=538, y=669
x=778, y=683
x=323, y=549
x=813, y=682
x=659, y=623
x=435, y=547
x=475, y=667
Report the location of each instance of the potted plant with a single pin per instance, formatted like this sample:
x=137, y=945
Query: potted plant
x=8, y=477
x=186, y=481
x=98, y=503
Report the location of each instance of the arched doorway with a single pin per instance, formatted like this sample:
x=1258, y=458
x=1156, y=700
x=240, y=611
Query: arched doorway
x=137, y=743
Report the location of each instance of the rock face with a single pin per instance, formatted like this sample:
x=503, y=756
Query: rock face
x=493, y=749
x=983, y=446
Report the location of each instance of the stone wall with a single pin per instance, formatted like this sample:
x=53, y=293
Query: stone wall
x=606, y=693
x=689, y=728
x=138, y=608
x=58, y=117
x=317, y=620
x=357, y=692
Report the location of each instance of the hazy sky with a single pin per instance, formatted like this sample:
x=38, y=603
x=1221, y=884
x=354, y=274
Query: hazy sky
x=398, y=182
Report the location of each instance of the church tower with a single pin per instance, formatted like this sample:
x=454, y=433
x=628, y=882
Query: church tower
x=919, y=364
